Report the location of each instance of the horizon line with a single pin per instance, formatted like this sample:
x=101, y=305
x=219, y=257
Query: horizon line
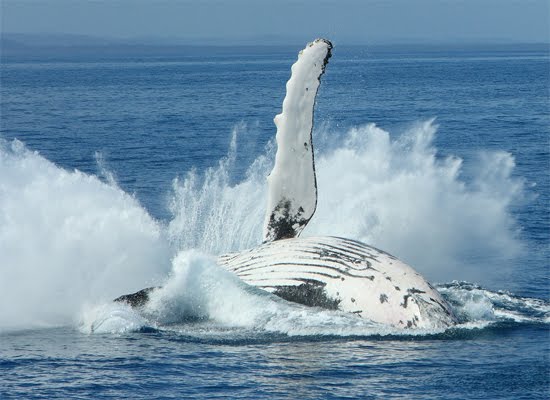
x=85, y=40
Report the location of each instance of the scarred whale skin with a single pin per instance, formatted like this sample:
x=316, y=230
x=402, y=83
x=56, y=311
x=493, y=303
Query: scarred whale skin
x=346, y=275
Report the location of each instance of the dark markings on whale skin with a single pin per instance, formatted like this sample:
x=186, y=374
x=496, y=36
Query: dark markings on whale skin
x=363, y=246
x=283, y=223
x=137, y=299
x=413, y=322
x=299, y=281
x=342, y=249
x=383, y=298
x=410, y=292
x=246, y=259
x=338, y=252
x=252, y=268
x=405, y=301
x=445, y=310
x=397, y=288
x=309, y=294
x=353, y=257
x=388, y=278
x=341, y=258
x=303, y=272
x=341, y=271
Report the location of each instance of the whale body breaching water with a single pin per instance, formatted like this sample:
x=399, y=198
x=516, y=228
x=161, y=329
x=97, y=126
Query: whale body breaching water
x=327, y=272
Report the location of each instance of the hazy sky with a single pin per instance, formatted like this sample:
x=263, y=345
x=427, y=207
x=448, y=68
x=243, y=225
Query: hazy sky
x=344, y=21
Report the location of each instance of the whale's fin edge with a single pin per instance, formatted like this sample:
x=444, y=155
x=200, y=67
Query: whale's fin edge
x=292, y=184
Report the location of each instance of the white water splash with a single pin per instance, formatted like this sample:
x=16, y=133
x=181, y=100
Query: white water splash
x=66, y=238
x=213, y=216
x=395, y=194
x=70, y=243
x=398, y=195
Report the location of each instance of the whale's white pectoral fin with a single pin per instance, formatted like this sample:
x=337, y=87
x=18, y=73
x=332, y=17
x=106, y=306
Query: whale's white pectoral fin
x=292, y=192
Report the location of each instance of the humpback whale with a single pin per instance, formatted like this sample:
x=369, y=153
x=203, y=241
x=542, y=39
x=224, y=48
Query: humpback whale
x=328, y=272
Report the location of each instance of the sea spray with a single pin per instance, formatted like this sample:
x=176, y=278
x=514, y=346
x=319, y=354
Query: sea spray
x=396, y=193
x=214, y=216
x=67, y=239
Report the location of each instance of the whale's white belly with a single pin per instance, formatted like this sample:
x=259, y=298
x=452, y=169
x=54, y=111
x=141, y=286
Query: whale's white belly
x=343, y=274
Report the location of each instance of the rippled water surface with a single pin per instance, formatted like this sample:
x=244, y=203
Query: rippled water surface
x=122, y=173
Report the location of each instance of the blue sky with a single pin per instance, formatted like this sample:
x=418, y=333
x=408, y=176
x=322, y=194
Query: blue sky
x=255, y=21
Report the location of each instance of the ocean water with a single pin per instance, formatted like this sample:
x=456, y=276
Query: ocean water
x=122, y=171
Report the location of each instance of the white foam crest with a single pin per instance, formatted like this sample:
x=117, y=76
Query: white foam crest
x=475, y=304
x=66, y=239
x=110, y=317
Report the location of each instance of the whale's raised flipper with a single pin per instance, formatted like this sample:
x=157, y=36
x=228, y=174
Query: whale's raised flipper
x=292, y=192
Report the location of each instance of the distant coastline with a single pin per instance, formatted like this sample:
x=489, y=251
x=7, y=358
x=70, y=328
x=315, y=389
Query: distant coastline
x=18, y=46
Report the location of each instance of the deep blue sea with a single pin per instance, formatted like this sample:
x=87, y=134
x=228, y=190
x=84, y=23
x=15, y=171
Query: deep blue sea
x=123, y=171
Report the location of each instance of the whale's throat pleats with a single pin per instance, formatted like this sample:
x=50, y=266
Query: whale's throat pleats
x=292, y=186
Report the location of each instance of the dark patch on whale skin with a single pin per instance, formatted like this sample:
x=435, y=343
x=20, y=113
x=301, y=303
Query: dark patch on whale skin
x=358, y=262
x=309, y=294
x=283, y=224
x=137, y=299
x=383, y=298
x=405, y=300
x=410, y=292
